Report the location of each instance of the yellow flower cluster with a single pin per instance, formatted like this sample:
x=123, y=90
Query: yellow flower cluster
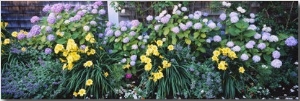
x=90, y=38
x=88, y=64
x=6, y=41
x=89, y=82
x=225, y=52
x=58, y=33
x=152, y=49
x=166, y=64
x=81, y=92
x=157, y=76
x=159, y=43
x=106, y=74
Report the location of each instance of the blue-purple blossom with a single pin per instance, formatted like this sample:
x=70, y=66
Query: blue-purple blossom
x=205, y=14
x=276, y=54
x=244, y=57
x=135, y=23
x=251, y=20
x=123, y=28
x=67, y=7
x=234, y=19
x=15, y=50
x=117, y=33
x=57, y=8
x=208, y=40
x=191, y=16
x=256, y=58
x=157, y=18
x=123, y=60
x=197, y=16
x=122, y=23
x=81, y=13
x=219, y=25
x=261, y=46
x=212, y=25
x=273, y=38
x=217, y=38
x=132, y=63
x=183, y=27
x=35, y=30
x=50, y=37
x=94, y=11
x=102, y=11
x=265, y=36
x=178, y=12
x=133, y=57
x=252, y=27
x=126, y=40
x=252, y=15
x=189, y=24
x=48, y=29
x=249, y=45
x=291, y=41
x=236, y=48
x=222, y=16
x=34, y=19
x=100, y=35
x=109, y=24
x=149, y=18
x=109, y=33
x=230, y=44
x=257, y=36
x=47, y=8
x=276, y=63
x=21, y=36
x=164, y=20
x=197, y=25
x=48, y=51
x=51, y=19
x=29, y=35
x=252, y=42
x=175, y=30
x=134, y=47
x=132, y=33
x=98, y=3
x=183, y=9
x=232, y=14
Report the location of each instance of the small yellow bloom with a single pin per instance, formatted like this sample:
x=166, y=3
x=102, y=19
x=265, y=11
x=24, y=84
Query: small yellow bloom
x=241, y=70
x=62, y=60
x=59, y=33
x=92, y=40
x=171, y=47
x=143, y=57
x=64, y=66
x=188, y=41
x=58, y=48
x=71, y=45
x=88, y=64
x=91, y=52
x=222, y=65
x=89, y=36
x=23, y=49
x=156, y=53
x=106, y=74
x=101, y=48
x=14, y=34
x=6, y=41
x=215, y=58
x=81, y=92
x=148, y=67
x=126, y=66
x=216, y=53
x=148, y=60
x=70, y=66
x=159, y=43
x=75, y=94
x=89, y=82
x=160, y=56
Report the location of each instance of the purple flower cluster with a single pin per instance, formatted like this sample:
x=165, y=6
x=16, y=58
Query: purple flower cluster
x=234, y=17
x=126, y=40
x=257, y=36
x=109, y=32
x=117, y=33
x=57, y=8
x=197, y=25
x=51, y=18
x=217, y=38
x=149, y=18
x=261, y=46
x=34, y=19
x=183, y=26
x=109, y=24
x=21, y=36
x=276, y=54
x=35, y=30
x=222, y=16
x=135, y=23
x=212, y=25
x=291, y=41
x=230, y=44
x=47, y=8
x=128, y=75
x=165, y=19
x=265, y=36
x=67, y=7
x=236, y=48
x=256, y=58
x=273, y=38
x=250, y=44
x=276, y=63
x=102, y=11
x=244, y=57
x=175, y=30
x=48, y=51
x=50, y=37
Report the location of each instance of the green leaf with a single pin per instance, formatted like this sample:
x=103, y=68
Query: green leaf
x=283, y=36
x=82, y=41
x=249, y=33
x=180, y=35
x=267, y=58
x=166, y=31
x=75, y=35
x=174, y=40
x=201, y=49
x=242, y=24
x=61, y=41
x=232, y=30
x=196, y=34
x=43, y=38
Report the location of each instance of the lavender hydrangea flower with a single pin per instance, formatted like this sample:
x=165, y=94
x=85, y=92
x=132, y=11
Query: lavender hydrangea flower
x=48, y=29
x=48, y=51
x=261, y=46
x=183, y=26
x=291, y=41
x=219, y=25
x=156, y=27
x=212, y=25
x=164, y=20
x=276, y=63
x=196, y=16
x=134, y=47
x=51, y=19
x=80, y=13
x=236, y=48
x=190, y=24
x=135, y=23
x=183, y=9
x=178, y=12
x=197, y=25
x=232, y=14
x=252, y=27
x=273, y=38
x=117, y=33
x=252, y=15
x=217, y=38
x=94, y=11
x=249, y=45
x=191, y=16
x=208, y=40
x=109, y=24
x=126, y=40
x=47, y=8
x=234, y=19
x=175, y=30
x=50, y=37
x=244, y=57
x=34, y=19
x=67, y=7
x=230, y=44
x=29, y=35
x=256, y=58
x=257, y=36
x=100, y=35
x=205, y=14
x=252, y=42
x=123, y=60
x=276, y=54
x=157, y=18
x=222, y=16
x=140, y=37
x=98, y=3
x=109, y=33
x=57, y=8
x=132, y=33
x=102, y=11
x=122, y=23
x=86, y=28
x=149, y=18
x=133, y=57
x=265, y=36
x=93, y=23
x=132, y=63
x=82, y=47
x=123, y=29
x=35, y=30
x=251, y=20
x=21, y=36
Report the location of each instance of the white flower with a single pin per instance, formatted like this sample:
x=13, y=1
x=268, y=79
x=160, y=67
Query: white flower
x=185, y=17
x=134, y=47
x=164, y=39
x=67, y=22
x=86, y=28
x=251, y=20
x=228, y=4
x=140, y=37
x=252, y=27
x=179, y=5
x=244, y=57
x=178, y=12
x=273, y=38
x=149, y=18
x=205, y=20
x=240, y=9
x=116, y=4
x=296, y=63
x=208, y=40
x=123, y=11
x=146, y=37
x=252, y=15
x=236, y=48
x=175, y=9
x=162, y=13
x=224, y=3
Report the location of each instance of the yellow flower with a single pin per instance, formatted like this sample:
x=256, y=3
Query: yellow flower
x=126, y=66
x=159, y=43
x=216, y=53
x=160, y=56
x=23, y=49
x=75, y=56
x=81, y=92
x=92, y=40
x=156, y=53
x=241, y=70
x=188, y=41
x=215, y=58
x=149, y=51
x=64, y=66
x=106, y=74
x=232, y=55
x=71, y=45
x=70, y=66
x=89, y=82
x=88, y=64
x=65, y=53
x=148, y=60
x=148, y=67
x=222, y=65
x=6, y=41
x=75, y=94
x=86, y=49
x=89, y=36
x=171, y=47
x=143, y=57
x=59, y=33
x=62, y=60
x=165, y=62
x=101, y=48
x=14, y=34
x=58, y=48
x=91, y=52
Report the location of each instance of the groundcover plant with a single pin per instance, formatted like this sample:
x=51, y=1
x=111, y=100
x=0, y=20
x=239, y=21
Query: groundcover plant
x=74, y=52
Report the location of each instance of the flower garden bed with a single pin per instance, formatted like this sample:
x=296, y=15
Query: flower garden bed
x=75, y=53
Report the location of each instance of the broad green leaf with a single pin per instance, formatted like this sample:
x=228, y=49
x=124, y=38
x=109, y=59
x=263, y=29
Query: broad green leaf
x=180, y=35
x=201, y=49
x=174, y=40
x=75, y=35
x=242, y=24
x=61, y=41
x=43, y=38
x=267, y=58
x=82, y=41
x=166, y=31
x=196, y=34
x=249, y=33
